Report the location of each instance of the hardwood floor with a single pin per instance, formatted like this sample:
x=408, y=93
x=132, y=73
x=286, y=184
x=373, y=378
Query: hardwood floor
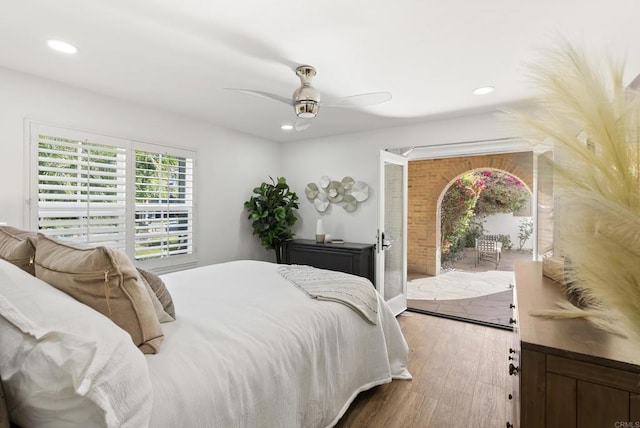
x=459, y=379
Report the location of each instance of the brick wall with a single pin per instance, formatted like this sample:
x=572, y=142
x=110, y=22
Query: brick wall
x=428, y=180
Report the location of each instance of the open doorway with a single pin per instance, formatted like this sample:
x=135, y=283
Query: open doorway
x=469, y=286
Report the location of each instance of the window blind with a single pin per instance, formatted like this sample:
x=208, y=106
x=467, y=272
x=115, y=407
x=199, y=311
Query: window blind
x=82, y=191
x=134, y=196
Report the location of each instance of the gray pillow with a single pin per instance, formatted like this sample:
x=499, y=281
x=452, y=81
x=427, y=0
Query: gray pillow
x=162, y=315
x=158, y=287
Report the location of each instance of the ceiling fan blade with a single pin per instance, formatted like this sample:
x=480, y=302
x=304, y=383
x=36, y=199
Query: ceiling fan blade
x=359, y=100
x=302, y=124
x=261, y=94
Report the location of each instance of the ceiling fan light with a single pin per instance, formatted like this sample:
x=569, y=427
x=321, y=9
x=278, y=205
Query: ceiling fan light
x=306, y=109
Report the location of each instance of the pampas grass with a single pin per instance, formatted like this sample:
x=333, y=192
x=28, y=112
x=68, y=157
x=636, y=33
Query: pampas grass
x=593, y=122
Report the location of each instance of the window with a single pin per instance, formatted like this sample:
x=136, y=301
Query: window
x=101, y=190
x=163, y=201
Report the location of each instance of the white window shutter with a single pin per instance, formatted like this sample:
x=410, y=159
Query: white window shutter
x=82, y=191
x=107, y=191
x=163, y=205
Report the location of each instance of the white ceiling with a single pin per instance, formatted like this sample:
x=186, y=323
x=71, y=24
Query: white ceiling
x=179, y=55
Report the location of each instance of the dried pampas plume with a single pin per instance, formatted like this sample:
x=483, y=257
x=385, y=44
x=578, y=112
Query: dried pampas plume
x=593, y=123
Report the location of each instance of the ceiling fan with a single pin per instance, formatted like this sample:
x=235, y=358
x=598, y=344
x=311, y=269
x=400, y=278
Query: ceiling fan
x=306, y=99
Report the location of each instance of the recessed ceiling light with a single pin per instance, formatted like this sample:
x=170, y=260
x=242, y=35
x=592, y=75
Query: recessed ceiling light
x=286, y=127
x=483, y=90
x=60, y=46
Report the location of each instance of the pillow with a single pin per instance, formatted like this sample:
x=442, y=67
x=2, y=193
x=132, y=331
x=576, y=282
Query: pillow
x=18, y=247
x=104, y=279
x=64, y=364
x=162, y=315
x=160, y=290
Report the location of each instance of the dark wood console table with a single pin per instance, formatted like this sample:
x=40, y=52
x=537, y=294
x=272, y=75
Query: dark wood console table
x=357, y=259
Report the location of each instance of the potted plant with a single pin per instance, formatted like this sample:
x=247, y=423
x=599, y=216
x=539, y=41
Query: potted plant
x=271, y=210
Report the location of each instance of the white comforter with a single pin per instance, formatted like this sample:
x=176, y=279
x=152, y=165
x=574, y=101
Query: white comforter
x=249, y=349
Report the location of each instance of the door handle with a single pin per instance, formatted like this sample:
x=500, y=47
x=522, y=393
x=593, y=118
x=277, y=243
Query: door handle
x=385, y=242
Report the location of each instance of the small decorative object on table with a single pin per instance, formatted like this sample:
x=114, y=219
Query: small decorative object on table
x=319, y=232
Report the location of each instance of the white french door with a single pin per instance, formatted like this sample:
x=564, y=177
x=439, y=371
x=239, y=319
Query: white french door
x=391, y=248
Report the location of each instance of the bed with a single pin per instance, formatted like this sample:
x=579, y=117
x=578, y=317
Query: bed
x=247, y=349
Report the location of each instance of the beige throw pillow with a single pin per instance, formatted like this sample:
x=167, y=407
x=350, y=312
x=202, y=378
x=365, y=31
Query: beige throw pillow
x=104, y=279
x=160, y=290
x=18, y=247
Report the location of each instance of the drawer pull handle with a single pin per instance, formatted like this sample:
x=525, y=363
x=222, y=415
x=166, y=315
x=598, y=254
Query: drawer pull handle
x=509, y=425
x=512, y=321
x=510, y=358
x=510, y=396
x=512, y=351
x=512, y=369
x=512, y=306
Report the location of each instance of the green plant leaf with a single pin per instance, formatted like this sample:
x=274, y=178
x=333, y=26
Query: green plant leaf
x=271, y=209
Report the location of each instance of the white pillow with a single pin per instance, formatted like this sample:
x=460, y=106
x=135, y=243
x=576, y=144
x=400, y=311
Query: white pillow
x=63, y=363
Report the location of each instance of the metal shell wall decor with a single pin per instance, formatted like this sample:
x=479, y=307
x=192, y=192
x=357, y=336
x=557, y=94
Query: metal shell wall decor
x=324, y=181
x=347, y=183
x=346, y=193
x=349, y=203
x=360, y=191
x=335, y=192
x=311, y=191
x=321, y=202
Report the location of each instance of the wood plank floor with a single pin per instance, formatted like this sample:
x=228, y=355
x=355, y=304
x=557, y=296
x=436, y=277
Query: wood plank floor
x=459, y=379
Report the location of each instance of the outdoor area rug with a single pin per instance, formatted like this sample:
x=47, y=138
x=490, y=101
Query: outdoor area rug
x=482, y=297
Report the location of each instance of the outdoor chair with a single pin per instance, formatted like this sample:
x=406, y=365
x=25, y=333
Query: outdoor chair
x=488, y=248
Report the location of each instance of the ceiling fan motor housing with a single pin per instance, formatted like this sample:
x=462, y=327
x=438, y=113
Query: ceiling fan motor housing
x=306, y=98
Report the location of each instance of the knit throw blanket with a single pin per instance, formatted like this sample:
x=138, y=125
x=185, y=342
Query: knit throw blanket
x=353, y=291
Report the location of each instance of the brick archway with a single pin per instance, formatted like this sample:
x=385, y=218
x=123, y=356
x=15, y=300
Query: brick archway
x=428, y=179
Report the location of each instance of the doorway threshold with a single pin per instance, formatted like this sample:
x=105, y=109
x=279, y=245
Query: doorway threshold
x=459, y=318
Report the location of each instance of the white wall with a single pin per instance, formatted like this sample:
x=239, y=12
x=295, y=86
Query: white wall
x=507, y=224
x=228, y=165
x=356, y=155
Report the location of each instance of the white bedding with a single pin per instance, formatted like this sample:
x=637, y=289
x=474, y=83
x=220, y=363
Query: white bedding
x=249, y=349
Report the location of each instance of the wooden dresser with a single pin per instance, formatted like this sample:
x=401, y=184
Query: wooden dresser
x=567, y=373
x=357, y=259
